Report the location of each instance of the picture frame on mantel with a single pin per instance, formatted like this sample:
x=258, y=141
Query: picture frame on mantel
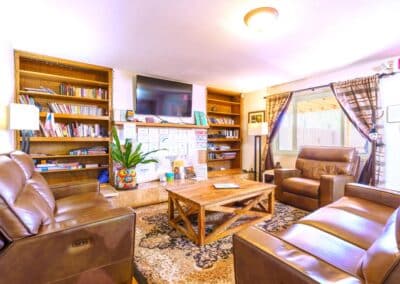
x=256, y=116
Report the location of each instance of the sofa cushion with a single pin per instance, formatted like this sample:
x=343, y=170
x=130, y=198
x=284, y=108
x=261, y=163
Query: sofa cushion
x=350, y=227
x=79, y=201
x=40, y=185
x=381, y=263
x=301, y=186
x=364, y=208
x=325, y=246
x=24, y=162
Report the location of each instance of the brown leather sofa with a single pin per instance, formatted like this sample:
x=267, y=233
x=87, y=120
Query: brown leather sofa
x=353, y=240
x=319, y=176
x=64, y=233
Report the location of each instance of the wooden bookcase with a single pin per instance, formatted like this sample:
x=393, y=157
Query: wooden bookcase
x=224, y=110
x=33, y=71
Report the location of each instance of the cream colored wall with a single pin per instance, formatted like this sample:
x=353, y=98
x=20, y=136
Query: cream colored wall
x=6, y=95
x=255, y=101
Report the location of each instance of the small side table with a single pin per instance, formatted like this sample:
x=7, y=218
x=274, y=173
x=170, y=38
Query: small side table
x=268, y=176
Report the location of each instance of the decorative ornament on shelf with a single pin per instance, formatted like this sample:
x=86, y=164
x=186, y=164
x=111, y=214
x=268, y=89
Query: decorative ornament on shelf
x=128, y=159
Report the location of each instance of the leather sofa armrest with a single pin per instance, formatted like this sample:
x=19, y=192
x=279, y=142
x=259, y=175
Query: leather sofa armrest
x=382, y=196
x=332, y=188
x=74, y=187
x=263, y=258
x=280, y=175
x=88, y=243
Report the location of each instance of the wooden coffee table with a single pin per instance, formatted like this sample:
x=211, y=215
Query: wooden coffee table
x=252, y=199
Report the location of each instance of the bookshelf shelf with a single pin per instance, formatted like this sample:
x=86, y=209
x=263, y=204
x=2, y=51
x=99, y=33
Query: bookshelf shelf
x=68, y=139
x=169, y=125
x=73, y=170
x=223, y=113
x=224, y=110
x=225, y=125
x=66, y=79
x=46, y=157
x=63, y=97
x=75, y=116
x=36, y=72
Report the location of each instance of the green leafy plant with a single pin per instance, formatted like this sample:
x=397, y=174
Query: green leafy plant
x=127, y=157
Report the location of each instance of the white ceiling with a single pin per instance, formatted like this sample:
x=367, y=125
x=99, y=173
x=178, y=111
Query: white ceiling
x=205, y=41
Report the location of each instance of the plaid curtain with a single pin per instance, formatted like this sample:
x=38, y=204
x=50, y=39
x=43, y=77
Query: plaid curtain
x=277, y=106
x=359, y=99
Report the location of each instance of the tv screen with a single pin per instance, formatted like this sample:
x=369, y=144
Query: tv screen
x=163, y=97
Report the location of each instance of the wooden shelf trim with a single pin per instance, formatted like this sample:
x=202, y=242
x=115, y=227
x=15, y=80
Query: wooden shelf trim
x=223, y=101
x=223, y=140
x=45, y=157
x=222, y=159
x=169, y=125
x=224, y=125
x=68, y=139
x=76, y=116
x=73, y=170
x=53, y=77
x=223, y=113
x=63, y=97
x=221, y=151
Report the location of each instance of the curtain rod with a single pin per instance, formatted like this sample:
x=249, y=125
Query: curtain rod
x=327, y=85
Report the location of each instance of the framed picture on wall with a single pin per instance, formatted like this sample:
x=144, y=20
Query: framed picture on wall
x=393, y=113
x=256, y=116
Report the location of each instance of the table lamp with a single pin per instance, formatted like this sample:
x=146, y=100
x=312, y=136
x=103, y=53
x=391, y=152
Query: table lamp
x=257, y=130
x=24, y=117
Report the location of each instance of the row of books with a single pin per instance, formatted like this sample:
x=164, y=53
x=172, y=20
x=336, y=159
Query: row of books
x=72, y=129
x=221, y=120
x=54, y=166
x=75, y=109
x=214, y=147
x=40, y=90
x=88, y=151
x=225, y=133
x=95, y=93
x=221, y=156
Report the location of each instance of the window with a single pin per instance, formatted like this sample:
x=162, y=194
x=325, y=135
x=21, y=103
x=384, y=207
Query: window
x=316, y=119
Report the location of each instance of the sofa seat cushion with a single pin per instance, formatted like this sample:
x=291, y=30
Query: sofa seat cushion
x=364, y=208
x=82, y=214
x=301, y=186
x=79, y=201
x=350, y=227
x=325, y=246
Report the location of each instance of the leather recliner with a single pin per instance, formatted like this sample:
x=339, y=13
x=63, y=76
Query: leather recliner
x=67, y=233
x=319, y=177
x=355, y=239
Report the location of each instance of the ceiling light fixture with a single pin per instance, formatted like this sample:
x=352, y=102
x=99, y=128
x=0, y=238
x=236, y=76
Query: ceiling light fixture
x=261, y=18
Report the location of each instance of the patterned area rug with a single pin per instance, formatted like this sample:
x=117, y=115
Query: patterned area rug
x=163, y=255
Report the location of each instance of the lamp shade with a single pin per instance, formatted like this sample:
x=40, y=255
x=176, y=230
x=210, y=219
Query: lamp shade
x=257, y=129
x=24, y=117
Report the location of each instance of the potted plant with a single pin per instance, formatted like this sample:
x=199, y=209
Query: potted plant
x=128, y=159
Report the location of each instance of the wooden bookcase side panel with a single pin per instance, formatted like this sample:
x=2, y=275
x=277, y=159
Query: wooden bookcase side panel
x=36, y=71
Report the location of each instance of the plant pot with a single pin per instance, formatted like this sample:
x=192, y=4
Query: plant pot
x=125, y=178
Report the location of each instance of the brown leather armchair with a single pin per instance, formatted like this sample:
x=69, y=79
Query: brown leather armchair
x=66, y=233
x=319, y=177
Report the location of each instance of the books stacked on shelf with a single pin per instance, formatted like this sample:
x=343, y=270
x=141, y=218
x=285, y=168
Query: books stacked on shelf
x=213, y=147
x=225, y=133
x=222, y=156
x=27, y=100
x=55, y=166
x=95, y=93
x=221, y=120
x=76, y=109
x=40, y=90
x=70, y=129
x=88, y=151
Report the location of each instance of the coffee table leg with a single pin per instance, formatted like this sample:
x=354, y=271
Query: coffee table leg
x=170, y=208
x=202, y=226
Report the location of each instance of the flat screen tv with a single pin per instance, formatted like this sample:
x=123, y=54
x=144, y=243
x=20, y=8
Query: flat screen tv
x=163, y=97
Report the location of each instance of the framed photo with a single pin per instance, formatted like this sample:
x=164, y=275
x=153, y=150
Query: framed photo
x=393, y=113
x=256, y=116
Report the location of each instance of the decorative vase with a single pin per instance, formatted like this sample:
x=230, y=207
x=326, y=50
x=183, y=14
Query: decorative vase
x=125, y=178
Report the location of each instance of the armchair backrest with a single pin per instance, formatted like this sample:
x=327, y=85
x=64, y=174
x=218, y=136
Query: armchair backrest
x=315, y=161
x=26, y=201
